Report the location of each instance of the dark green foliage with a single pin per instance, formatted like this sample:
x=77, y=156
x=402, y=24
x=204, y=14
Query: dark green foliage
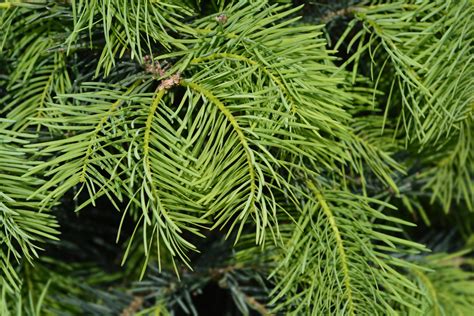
x=236, y=157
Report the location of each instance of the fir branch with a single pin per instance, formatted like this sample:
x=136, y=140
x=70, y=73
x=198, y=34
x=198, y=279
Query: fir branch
x=339, y=244
x=271, y=136
x=250, y=203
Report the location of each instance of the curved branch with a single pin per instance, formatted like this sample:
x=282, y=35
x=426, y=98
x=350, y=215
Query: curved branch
x=146, y=149
x=168, y=233
x=238, y=130
x=146, y=157
x=151, y=114
x=339, y=243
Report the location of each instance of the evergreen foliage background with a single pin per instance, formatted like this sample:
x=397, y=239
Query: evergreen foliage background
x=236, y=157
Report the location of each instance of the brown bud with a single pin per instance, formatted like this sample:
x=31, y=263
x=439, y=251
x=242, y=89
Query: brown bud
x=154, y=67
x=221, y=18
x=170, y=82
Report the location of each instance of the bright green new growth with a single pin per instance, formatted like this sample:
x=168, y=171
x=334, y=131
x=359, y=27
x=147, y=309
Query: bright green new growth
x=312, y=148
